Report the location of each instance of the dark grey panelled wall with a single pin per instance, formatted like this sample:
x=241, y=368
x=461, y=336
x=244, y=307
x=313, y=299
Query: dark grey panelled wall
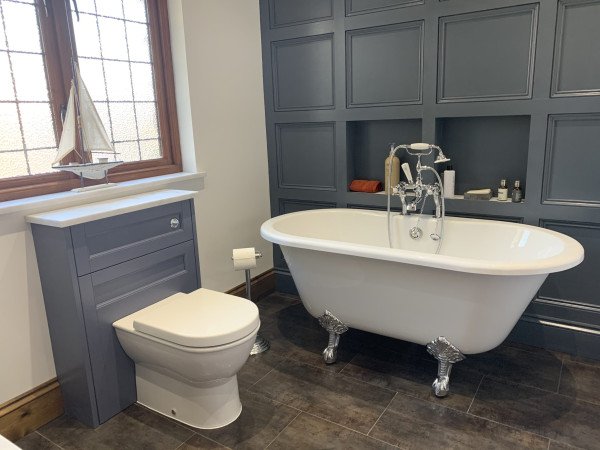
x=508, y=88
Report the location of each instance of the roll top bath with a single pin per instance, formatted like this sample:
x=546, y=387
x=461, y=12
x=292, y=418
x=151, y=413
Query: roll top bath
x=418, y=291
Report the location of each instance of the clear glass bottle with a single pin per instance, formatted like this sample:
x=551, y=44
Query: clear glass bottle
x=502, y=191
x=517, y=193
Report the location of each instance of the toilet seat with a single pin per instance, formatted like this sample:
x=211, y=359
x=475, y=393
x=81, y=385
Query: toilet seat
x=200, y=319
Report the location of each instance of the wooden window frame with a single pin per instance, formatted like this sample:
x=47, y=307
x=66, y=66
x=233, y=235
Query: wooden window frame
x=57, y=54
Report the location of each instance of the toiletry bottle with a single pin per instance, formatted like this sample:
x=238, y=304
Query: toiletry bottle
x=502, y=191
x=449, y=179
x=395, y=177
x=517, y=193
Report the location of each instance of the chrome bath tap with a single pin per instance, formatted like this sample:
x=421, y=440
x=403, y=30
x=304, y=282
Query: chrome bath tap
x=418, y=190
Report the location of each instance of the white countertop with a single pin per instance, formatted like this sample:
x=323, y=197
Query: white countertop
x=75, y=215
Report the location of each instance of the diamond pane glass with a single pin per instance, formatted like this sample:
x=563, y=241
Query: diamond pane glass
x=20, y=19
x=92, y=74
x=39, y=160
x=110, y=8
x=135, y=10
x=10, y=137
x=38, y=131
x=115, y=58
x=86, y=36
x=6, y=87
x=150, y=149
x=112, y=38
x=30, y=77
x=13, y=164
x=127, y=151
x=143, y=82
x=118, y=81
x=122, y=124
x=137, y=41
x=146, y=120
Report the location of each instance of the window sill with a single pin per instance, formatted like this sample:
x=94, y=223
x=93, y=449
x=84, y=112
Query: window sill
x=65, y=199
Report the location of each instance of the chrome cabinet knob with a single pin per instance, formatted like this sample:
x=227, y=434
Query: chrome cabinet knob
x=174, y=222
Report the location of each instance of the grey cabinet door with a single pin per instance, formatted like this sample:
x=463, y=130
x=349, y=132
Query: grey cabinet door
x=106, y=242
x=112, y=293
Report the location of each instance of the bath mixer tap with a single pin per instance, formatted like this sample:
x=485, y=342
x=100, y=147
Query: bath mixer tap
x=417, y=189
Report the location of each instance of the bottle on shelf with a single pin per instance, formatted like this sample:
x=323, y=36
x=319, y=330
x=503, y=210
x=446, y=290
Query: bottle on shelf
x=517, y=193
x=502, y=191
x=394, y=179
x=449, y=182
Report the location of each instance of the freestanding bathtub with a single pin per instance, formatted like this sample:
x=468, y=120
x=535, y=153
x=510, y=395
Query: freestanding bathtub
x=464, y=300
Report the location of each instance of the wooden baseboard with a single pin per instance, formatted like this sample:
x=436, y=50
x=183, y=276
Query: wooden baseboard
x=29, y=411
x=262, y=285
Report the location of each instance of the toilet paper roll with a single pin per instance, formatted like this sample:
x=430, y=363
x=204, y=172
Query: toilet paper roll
x=244, y=258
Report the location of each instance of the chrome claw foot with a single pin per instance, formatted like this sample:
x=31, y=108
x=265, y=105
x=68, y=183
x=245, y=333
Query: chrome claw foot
x=447, y=355
x=335, y=327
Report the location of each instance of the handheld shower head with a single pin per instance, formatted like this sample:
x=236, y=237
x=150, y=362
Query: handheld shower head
x=441, y=158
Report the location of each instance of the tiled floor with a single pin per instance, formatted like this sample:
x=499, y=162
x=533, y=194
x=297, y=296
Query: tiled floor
x=376, y=396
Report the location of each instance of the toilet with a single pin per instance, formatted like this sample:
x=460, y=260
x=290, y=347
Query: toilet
x=188, y=349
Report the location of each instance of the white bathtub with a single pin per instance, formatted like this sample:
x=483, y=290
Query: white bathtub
x=472, y=293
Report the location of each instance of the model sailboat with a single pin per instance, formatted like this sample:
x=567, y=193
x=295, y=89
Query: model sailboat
x=82, y=117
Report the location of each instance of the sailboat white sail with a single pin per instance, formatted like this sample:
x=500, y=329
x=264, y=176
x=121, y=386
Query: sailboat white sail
x=81, y=113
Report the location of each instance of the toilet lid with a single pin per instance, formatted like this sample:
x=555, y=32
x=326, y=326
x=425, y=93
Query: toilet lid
x=203, y=318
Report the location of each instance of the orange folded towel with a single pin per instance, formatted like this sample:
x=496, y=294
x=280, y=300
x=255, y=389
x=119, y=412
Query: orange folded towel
x=366, y=186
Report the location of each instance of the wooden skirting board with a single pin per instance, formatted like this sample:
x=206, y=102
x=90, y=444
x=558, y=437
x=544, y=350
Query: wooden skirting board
x=262, y=285
x=29, y=411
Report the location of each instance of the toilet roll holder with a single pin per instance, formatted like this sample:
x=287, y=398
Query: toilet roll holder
x=260, y=344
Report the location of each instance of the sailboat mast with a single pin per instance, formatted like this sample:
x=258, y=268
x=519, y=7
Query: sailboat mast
x=84, y=155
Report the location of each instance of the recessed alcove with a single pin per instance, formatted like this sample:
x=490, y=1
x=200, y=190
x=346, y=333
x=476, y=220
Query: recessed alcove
x=484, y=150
x=369, y=141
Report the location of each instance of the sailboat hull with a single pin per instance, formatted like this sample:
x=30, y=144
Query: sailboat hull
x=91, y=171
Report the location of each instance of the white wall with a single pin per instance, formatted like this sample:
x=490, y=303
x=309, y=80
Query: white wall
x=216, y=47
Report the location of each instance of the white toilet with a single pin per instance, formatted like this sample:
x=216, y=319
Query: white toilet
x=187, y=351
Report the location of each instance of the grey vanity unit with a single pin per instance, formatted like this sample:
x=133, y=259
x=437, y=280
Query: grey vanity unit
x=98, y=263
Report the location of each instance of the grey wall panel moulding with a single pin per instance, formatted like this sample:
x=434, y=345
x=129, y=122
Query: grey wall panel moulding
x=576, y=68
x=354, y=7
x=283, y=13
x=579, y=284
x=572, y=157
x=306, y=155
x=384, y=65
x=487, y=55
x=303, y=73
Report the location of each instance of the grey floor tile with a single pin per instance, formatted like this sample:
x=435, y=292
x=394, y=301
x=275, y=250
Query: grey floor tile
x=260, y=422
x=337, y=398
x=413, y=376
x=134, y=428
x=581, y=381
x=257, y=367
x=304, y=345
x=35, y=441
x=558, y=417
x=416, y=424
x=197, y=442
x=540, y=370
x=273, y=303
x=309, y=432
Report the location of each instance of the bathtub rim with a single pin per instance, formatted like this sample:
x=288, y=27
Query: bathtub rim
x=571, y=256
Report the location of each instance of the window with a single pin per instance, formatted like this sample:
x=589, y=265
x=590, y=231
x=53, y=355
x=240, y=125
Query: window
x=123, y=51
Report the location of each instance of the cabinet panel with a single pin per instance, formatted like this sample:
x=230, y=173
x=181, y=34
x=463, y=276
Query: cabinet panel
x=106, y=242
x=368, y=6
x=120, y=290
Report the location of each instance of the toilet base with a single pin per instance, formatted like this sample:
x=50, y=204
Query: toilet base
x=209, y=405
